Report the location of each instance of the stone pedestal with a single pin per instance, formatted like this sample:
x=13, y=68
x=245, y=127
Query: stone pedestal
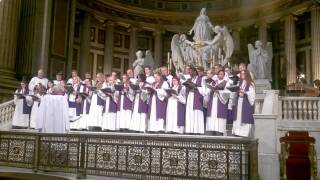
x=261, y=85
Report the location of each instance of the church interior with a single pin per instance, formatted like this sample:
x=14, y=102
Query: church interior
x=103, y=37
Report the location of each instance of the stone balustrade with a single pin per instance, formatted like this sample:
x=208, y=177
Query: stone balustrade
x=6, y=114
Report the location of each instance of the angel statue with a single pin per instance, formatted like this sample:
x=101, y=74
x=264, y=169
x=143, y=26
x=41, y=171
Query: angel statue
x=138, y=64
x=260, y=60
x=222, y=41
x=202, y=27
x=176, y=53
x=189, y=54
x=149, y=61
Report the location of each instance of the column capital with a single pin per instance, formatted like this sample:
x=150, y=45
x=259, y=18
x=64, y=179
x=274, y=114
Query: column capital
x=133, y=28
x=289, y=17
x=315, y=7
x=158, y=32
x=261, y=24
x=109, y=23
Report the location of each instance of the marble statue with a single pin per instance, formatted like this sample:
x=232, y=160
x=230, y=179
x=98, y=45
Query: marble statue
x=176, y=53
x=138, y=64
x=202, y=27
x=260, y=60
x=189, y=54
x=149, y=61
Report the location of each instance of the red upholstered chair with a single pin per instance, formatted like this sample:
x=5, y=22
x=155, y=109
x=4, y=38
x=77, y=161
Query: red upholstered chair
x=298, y=156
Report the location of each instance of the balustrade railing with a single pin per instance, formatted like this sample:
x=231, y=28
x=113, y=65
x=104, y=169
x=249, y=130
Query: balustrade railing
x=299, y=108
x=132, y=155
x=6, y=114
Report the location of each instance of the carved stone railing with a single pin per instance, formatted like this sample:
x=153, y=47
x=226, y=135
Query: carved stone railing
x=6, y=114
x=299, y=108
x=132, y=155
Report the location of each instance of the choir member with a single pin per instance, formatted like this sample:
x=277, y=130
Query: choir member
x=114, y=75
x=140, y=107
x=50, y=85
x=157, y=105
x=176, y=108
x=218, y=106
x=38, y=93
x=74, y=103
x=74, y=73
x=194, y=105
x=125, y=98
x=110, y=115
x=85, y=104
x=53, y=112
x=22, y=110
x=87, y=76
x=130, y=74
x=165, y=73
x=58, y=79
x=38, y=79
x=97, y=104
x=243, y=67
x=244, y=109
x=149, y=78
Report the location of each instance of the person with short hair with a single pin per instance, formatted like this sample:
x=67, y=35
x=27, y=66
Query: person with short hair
x=74, y=73
x=39, y=79
x=58, y=78
x=149, y=78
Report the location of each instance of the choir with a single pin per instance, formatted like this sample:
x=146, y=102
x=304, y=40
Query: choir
x=194, y=101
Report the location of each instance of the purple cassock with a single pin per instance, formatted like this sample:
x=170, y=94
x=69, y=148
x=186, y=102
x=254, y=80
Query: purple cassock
x=181, y=111
x=247, y=109
x=112, y=105
x=127, y=103
x=143, y=105
x=84, y=102
x=197, y=97
x=222, y=108
x=25, y=109
x=161, y=106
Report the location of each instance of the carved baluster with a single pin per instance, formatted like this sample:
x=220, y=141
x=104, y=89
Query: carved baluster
x=315, y=110
x=299, y=110
x=289, y=107
x=294, y=110
x=284, y=109
x=310, y=117
x=318, y=110
x=305, y=110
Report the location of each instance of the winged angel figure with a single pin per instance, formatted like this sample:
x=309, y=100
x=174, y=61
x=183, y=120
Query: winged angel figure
x=260, y=60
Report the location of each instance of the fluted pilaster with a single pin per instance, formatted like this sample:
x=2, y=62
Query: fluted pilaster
x=9, y=25
x=133, y=44
x=158, y=46
x=73, y=5
x=290, y=49
x=315, y=41
x=84, y=43
x=108, y=47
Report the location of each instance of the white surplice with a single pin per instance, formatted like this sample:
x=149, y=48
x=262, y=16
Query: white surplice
x=109, y=118
x=53, y=114
x=19, y=119
x=35, y=112
x=124, y=116
x=239, y=128
x=138, y=120
x=172, y=111
x=95, y=112
x=155, y=124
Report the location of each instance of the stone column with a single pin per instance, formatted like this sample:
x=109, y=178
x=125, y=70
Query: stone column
x=108, y=47
x=84, y=43
x=315, y=41
x=290, y=49
x=133, y=45
x=73, y=4
x=158, y=46
x=263, y=33
x=9, y=25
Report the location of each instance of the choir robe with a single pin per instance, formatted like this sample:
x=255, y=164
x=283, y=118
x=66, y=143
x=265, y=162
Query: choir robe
x=74, y=108
x=218, y=110
x=150, y=79
x=124, y=107
x=96, y=109
x=244, y=109
x=22, y=110
x=110, y=115
x=53, y=114
x=157, y=107
x=176, y=110
x=84, y=110
x=194, y=107
x=34, y=120
x=140, y=110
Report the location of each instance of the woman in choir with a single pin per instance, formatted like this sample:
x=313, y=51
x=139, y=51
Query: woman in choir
x=22, y=110
x=176, y=108
x=140, y=108
x=218, y=106
x=50, y=85
x=194, y=104
x=35, y=100
x=125, y=99
x=110, y=115
x=158, y=105
x=74, y=104
x=97, y=104
x=85, y=104
x=244, y=109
